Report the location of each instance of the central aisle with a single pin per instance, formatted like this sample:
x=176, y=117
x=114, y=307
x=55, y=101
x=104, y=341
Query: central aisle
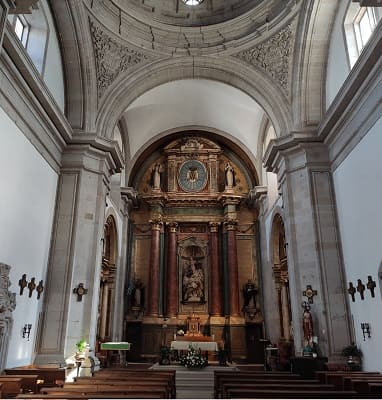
x=194, y=383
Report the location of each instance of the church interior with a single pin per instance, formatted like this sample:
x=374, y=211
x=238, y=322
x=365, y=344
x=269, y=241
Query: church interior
x=190, y=170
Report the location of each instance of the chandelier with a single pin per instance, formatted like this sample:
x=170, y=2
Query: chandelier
x=192, y=2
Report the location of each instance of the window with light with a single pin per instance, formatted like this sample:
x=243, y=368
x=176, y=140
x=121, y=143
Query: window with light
x=192, y=2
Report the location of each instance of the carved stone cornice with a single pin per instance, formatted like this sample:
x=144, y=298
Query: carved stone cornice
x=273, y=56
x=112, y=58
x=23, y=6
x=256, y=195
x=130, y=197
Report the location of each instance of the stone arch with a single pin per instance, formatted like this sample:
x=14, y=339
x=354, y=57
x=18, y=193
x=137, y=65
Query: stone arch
x=107, y=280
x=253, y=82
x=280, y=274
x=149, y=147
x=309, y=74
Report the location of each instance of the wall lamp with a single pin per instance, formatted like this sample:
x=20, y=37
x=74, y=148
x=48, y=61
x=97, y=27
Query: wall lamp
x=26, y=331
x=365, y=326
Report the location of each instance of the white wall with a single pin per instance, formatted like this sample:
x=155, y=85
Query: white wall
x=53, y=72
x=338, y=67
x=28, y=190
x=358, y=189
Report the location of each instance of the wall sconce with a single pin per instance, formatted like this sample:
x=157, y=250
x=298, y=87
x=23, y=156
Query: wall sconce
x=26, y=331
x=365, y=326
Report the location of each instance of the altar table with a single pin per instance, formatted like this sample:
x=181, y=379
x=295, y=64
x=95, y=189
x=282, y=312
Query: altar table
x=122, y=347
x=184, y=345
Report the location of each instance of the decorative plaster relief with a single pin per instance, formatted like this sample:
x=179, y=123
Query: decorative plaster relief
x=112, y=58
x=7, y=299
x=273, y=56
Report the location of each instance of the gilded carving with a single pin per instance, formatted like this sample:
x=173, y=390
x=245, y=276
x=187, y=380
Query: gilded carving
x=112, y=58
x=273, y=56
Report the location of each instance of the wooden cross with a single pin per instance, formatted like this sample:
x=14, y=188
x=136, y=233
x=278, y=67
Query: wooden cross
x=40, y=289
x=80, y=291
x=23, y=283
x=351, y=291
x=31, y=286
x=361, y=288
x=371, y=285
x=309, y=293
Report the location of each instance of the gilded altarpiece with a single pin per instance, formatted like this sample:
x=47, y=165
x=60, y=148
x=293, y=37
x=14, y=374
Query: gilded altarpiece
x=194, y=243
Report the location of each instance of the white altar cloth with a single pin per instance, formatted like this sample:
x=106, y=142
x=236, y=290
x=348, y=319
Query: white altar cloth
x=184, y=345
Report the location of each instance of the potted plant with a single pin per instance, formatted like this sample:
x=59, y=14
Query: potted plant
x=353, y=355
x=81, y=348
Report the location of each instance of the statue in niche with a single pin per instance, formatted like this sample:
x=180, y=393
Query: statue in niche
x=156, y=176
x=193, y=282
x=229, y=176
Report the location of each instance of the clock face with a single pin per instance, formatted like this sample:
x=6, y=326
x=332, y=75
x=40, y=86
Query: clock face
x=192, y=176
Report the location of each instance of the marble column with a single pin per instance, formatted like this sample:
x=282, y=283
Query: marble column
x=75, y=254
x=172, y=276
x=233, y=279
x=5, y=6
x=311, y=229
x=285, y=310
x=216, y=302
x=153, y=294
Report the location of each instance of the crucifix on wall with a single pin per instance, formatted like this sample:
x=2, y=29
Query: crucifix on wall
x=80, y=291
x=309, y=293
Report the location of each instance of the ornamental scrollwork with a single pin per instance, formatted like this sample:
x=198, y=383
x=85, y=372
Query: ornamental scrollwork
x=273, y=56
x=7, y=299
x=112, y=58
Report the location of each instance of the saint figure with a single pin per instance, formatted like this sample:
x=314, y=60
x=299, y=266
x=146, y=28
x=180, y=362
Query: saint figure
x=193, y=282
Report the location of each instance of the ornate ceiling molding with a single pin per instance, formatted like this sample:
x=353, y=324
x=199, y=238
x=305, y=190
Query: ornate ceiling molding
x=112, y=58
x=273, y=56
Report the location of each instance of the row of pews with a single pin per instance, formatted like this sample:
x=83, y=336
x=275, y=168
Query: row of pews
x=285, y=385
x=113, y=384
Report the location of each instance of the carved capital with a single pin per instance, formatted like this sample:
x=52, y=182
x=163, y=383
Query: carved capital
x=173, y=226
x=131, y=198
x=214, y=226
x=156, y=224
x=230, y=224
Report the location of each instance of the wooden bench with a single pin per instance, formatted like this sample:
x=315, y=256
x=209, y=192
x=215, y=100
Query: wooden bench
x=289, y=394
x=70, y=396
x=48, y=376
x=226, y=387
x=361, y=384
x=109, y=390
x=122, y=374
x=28, y=382
x=11, y=386
x=336, y=377
x=219, y=376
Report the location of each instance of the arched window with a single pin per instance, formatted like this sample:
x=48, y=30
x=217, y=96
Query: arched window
x=359, y=25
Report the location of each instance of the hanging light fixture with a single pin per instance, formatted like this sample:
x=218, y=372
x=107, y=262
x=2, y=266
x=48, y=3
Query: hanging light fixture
x=192, y=2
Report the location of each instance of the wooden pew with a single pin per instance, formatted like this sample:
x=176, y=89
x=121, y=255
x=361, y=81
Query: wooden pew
x=28, y=382
x=11, y=386
x=226, y=387
x=322, y=376
x=48, y=375
x=69, y=396
x=289, y=394
x=361, y=384
x=338, y=379
x=263, y=376
x=109, y=390
x=116, y=374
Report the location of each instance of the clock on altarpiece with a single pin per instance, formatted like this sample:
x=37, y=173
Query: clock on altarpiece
x=192, y=176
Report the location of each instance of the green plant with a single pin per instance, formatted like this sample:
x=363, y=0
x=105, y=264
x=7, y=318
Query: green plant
x=351, y=350
x=81, y=345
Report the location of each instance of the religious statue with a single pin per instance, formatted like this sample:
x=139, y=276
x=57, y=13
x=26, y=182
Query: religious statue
x=307, y=325
x=249, y=294
x=193, y=282
x=156, y=176
x=229, y=176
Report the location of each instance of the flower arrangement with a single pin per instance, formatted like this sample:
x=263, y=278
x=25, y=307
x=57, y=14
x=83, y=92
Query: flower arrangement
x=193, y=359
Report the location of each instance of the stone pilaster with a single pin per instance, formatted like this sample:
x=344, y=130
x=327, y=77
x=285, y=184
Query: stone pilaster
x=75, y=255
x=314, y=252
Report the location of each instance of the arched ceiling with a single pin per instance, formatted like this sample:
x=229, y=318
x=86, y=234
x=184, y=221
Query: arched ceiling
x=197, y=103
